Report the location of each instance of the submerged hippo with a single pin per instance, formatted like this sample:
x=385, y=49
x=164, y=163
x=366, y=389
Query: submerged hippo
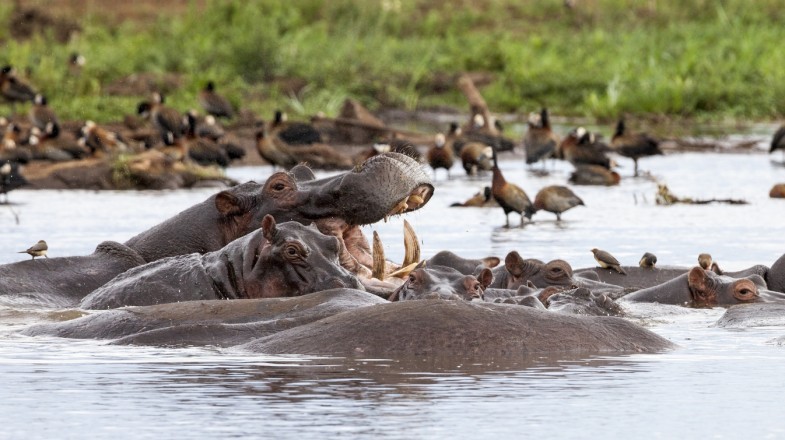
x=386, y=184
x=288, y=259
x=441, y=282
x=703, y=288
x=349, y=322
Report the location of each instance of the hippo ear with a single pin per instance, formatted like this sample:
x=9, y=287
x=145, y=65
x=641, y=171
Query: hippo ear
x=485, y=278
x=268, y=227
x=228, y=204
x=491, y=261
x=514, y=263
x=698, y=281
x=302, y=173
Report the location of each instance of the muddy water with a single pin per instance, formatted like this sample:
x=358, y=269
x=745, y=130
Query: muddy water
x=719, y=383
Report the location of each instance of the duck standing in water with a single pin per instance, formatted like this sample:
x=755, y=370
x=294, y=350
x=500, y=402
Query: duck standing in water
x=556, y=199
x=440, y=155
x=511, y=197
x=634, y=145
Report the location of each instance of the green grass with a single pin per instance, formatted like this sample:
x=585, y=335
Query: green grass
x=705, y=59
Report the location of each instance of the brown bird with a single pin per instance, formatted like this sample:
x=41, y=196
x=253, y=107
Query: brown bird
x=293, y=133
x=165, y=119
x=511, y=197
x=10, y=177
x=482, y=199
x=594, y=175
x=99, y=140
x=76, y=62
x=581, y=147
x=13, y=89
x=607, y=261
x=37, y=250
x=540, y=141
x=648, y=260
x=476, y=157
x=43, y=117
x=707, y=263
x=633, y=145
x=215, y=104
x=440, y=155
x=556, y=199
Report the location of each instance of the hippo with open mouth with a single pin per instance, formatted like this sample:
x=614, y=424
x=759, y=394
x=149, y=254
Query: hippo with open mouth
x=387, y=184
x=288, y=259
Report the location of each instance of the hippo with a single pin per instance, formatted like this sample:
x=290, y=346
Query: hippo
x=582, y=301
x=466, y=266
x=347, y=322
x=215, y=322
x=458, y=329
x=287, y=259
x=704, y=288
x=387, y=184
x=443, y=283
x=753, y=315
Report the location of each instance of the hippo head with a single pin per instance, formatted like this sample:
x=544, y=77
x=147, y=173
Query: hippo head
x=580, y=301
x=293, y=260
x=384, y=185
x=553, y=273
x=708, y=289
x=440, y=282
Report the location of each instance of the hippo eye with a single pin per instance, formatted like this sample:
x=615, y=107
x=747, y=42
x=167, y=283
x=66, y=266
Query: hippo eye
x=279, y=186
x=412, y=278
x=294, y=252
x=745, y=294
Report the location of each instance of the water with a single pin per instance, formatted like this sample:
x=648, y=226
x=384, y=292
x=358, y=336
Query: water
x=719, y=383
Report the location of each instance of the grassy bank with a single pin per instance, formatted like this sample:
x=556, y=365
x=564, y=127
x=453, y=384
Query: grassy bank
x=601, y=58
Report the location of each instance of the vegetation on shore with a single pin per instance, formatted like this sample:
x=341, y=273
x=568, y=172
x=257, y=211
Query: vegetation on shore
x=600, y=58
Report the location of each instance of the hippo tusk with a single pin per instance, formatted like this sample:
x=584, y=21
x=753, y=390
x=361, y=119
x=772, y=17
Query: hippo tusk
x=411, y=245
x=414, y=202
x=403, y=271
x=378, y=258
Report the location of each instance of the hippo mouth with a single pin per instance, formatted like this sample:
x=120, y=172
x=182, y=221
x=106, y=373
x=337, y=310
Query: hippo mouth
x=371, y=266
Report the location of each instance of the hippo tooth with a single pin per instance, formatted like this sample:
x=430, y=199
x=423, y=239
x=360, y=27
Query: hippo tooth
x=411, y=245
x=403, y=271
x=415, y=201
x=378, y=257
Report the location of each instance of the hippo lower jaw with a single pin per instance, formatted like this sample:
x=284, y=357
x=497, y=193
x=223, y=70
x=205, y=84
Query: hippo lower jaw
x=376, y=273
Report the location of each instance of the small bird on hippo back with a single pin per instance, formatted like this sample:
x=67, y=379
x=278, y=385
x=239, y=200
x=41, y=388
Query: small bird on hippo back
x=607, y=261
x=37, y=250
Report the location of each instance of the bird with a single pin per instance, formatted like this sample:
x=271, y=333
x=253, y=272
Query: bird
x=594, y=175
x=293, y=133
x=76, y=62
x=556, y=199
x=43, y=117
x=215, y=104
x=165, y=119
x=707, y=263
x=476, y=157
x=14, y=89
x=37, y=250
x=440, y=155
x=395, y=145
x=10, y=178
x=778, y=141
x=648, y=260
x=511, y=197
x=582, y=147
x=633, y=145
x=481, y=199
x=99, y=140
x=540, y=141
x=607, y=261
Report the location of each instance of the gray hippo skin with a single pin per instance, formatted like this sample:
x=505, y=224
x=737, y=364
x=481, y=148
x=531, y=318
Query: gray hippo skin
x=460, y=329
x=384, y=185
x=289, y=259
x=466, y=266
x=702, y=288
x=218, y=322
x=753, y=315
x=776, y=275
x=441, y=282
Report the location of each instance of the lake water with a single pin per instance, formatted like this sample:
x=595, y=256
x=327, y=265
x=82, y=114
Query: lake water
x=719, y=383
